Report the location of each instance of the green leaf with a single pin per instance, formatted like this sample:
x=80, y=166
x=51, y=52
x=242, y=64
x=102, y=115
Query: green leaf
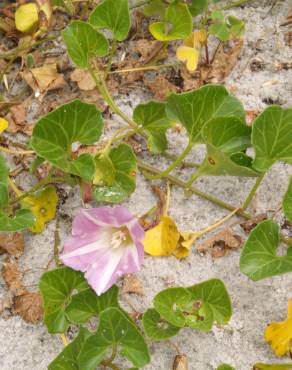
x=169, y=303
x=113, y=15
x=237, y=27
x=272, y=137
x=258, y=259
x=86, y=304
x=68, y=358
x=54, y=134
x=156, y=328
x=57, y=287
x=23, y=219
x=115, y=328
x=220, y=30
x=104, y=170
x=196, y=108
x=287, y=202
x=198, y=6
x=213, y=303
x=124, y=163
x=152, y=117
x=154, y=7
x=225, y=367
x=84, y=42
x=177, y=23
x=261, y=366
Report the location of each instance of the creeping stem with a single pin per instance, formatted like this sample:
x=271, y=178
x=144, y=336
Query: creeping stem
x=253, y=191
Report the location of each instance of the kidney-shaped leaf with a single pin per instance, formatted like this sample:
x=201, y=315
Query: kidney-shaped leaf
x=115, y=329
x=196, y=108
x=23, y=219
x=177, y=23
x=287, y=202
x=54, y=134
x=123, y=164
x=152, y=117
x=258, y=259
x=113, y=15
x=156, y=328
x=83, y=42
x=272, y=137
x=68, y=358
x=212, y=304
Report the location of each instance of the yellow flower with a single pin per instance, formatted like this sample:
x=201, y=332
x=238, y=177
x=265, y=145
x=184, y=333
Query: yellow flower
x=3, y=124
x=279, y=334
x=26, y=17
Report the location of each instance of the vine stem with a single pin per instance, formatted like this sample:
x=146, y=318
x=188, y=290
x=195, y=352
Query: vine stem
x=14, y=187
x=16, y=152
x=235, y=4
x=146, y=68
x=64, y=339
x=253, y=191
x=173, y=165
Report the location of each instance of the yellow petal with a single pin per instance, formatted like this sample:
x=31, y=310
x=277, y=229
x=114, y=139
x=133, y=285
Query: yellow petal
x=26, y=17
x=279, y=334
x=184, y=244
x=162, y=239
x=3, y=124
x=200, y=36
x=188, y=55
x=43, y=205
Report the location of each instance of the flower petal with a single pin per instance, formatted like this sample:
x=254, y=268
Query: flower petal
x=103, y=216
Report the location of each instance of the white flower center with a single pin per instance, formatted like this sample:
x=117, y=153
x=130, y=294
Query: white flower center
x=119, y=237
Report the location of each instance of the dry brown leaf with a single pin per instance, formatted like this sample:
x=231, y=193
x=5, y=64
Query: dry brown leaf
x=248, y=225
x=132, y=284
x=160, y=87
x=180, y=362
x=44, y=78
x=12, y=243
x=5, y=303
x=12, y=277
x=29, y=307
x=83, y=78
x=219, y=244
x=251, y=115
x=17, y=118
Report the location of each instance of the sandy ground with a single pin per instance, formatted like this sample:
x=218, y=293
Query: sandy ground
x=240, y=343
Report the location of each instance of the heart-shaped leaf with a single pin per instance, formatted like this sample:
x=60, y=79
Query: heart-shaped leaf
x=152, y=117
x=115, y=328
x=124, y=164
x=84, y=42
x=196, y=108
x=156, y=328
x=258, y=259
x=287, y=202
x=56, y=288
x=272, y=137
x=86, y=304
x=113, y=15
x=23, y=219
x=177, y=23
x=54, y=134
x=169, y=303
x=68, y=358
x=211, y=303
x=198, y=6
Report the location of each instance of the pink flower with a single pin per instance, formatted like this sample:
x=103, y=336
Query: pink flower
x=106, y=243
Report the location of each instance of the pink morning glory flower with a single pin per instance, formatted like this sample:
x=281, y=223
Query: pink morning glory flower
x=106, y=243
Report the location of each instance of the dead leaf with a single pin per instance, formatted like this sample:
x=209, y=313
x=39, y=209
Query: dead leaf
x=12, y=243
x=132, y=284
x=5, y=304
x=83, y=78
x=219, y=244
x=160, y=87
x=251, y=115
x=44, y=78
x=248, y=225
x=13, y=277
x=180, y=362
x=17, y=118
x=29, y=307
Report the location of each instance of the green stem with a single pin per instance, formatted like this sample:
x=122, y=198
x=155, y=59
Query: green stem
x=184, y=164
x=253, y=191
x=173, y=165
x=194, y=190
x=235, y=4
x=146, y=68
x=38, y=186
x=192, y=179
x=110, y=60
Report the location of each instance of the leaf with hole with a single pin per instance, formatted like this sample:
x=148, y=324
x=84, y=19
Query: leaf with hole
x=115, y=328
x=272, y=137
x=113, y=15
x=68, y=358
x=210, y=303
x=84, y=42
x=196, y=108
x=287, y=202
x=258, y=259
x=156, y=328
x=177, y=23
x=152, y=117
x=54, y=134
x=123, y=162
